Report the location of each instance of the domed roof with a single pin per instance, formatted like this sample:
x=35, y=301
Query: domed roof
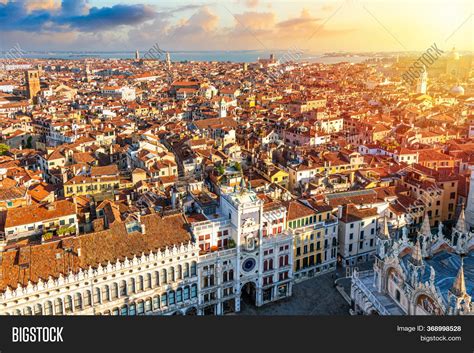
x=458, y=90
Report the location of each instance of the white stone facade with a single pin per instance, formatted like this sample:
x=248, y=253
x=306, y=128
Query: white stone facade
x=150, y=285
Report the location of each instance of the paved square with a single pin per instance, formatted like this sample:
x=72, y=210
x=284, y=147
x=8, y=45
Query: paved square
x=315, y=296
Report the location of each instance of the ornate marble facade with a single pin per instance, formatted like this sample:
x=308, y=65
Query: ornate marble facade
x=432, y=276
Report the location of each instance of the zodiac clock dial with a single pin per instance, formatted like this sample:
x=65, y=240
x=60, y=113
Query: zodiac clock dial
x=249, y=264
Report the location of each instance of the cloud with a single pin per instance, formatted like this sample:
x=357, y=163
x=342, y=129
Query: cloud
x=71, y=15
x=170, y=32
x=74, y=7
x=255, y=21
x=73, y=24
x=305, y=19
x=109, y=17
x=202, y=21
x=251, y=3
x=42, y=5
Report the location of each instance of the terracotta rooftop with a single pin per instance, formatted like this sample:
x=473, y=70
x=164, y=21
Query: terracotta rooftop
x=30, y=263
x=38, y=213
x=350, y=213
x=298, y=210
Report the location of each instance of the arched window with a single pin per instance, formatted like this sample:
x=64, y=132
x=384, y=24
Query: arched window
x=265, y=265
x=68, y=304
x=179, y=296
x=171, y=274
x=156, y=302
x=115, y=311
x=186, y=293
x=164, y=299
x=58, y=306
x=211, y=280
x=131, y=310
x=148, y=281
x=124, y=310
x=78, y=301
x=97, y=295
x=87, y=298
x=283, y=260
x=38, y=309
x=123, y=288
x=48, y=308
x=156, y=278
x=225, y=276
x=164, y=277
x=194, y=291
x=140, y=307
x=140, y=283
x=18, y=312
x=193, y=268
x=148, y=305
x=171, y=297
x=131, y=286
x=115, y=291
x=397, y=295
x=28, y=311
x=231, y=275
x=106, y=293
x=179, y=274
x=270, y=264
x=186, y=270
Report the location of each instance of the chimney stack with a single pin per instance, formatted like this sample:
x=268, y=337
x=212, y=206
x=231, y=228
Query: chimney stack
x=339, y=211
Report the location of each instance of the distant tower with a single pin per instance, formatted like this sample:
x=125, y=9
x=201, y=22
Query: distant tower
x=245, y=67
x=137, y=55
x=32, y=83
x=422, y=82
x=88, y=73
x=272, y=58
x=222, y=109
x=168, y=60
x=452, y=63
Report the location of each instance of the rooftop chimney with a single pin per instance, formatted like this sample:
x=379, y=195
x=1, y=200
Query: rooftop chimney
x=339, y=211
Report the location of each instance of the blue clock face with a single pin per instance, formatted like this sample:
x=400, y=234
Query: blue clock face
x=249, y=264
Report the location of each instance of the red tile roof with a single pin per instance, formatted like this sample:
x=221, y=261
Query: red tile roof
x=30, y=263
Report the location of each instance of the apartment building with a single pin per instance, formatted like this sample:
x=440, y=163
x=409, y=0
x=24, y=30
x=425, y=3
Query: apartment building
x=314, y=229
x=357, y=233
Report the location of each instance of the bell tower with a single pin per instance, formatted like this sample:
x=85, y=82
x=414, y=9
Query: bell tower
x=422, y=82
x=32, y=83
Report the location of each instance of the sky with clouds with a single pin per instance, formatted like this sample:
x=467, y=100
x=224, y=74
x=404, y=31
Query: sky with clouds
x=314, y=25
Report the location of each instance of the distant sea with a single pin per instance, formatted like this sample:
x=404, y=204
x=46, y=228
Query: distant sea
x=232, y=56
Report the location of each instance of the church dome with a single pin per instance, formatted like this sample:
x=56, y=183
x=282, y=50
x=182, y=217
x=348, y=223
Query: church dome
x=457, y=90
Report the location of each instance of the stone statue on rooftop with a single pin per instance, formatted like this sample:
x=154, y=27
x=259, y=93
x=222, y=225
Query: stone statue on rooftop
x=405, y=235
x=440, y=231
